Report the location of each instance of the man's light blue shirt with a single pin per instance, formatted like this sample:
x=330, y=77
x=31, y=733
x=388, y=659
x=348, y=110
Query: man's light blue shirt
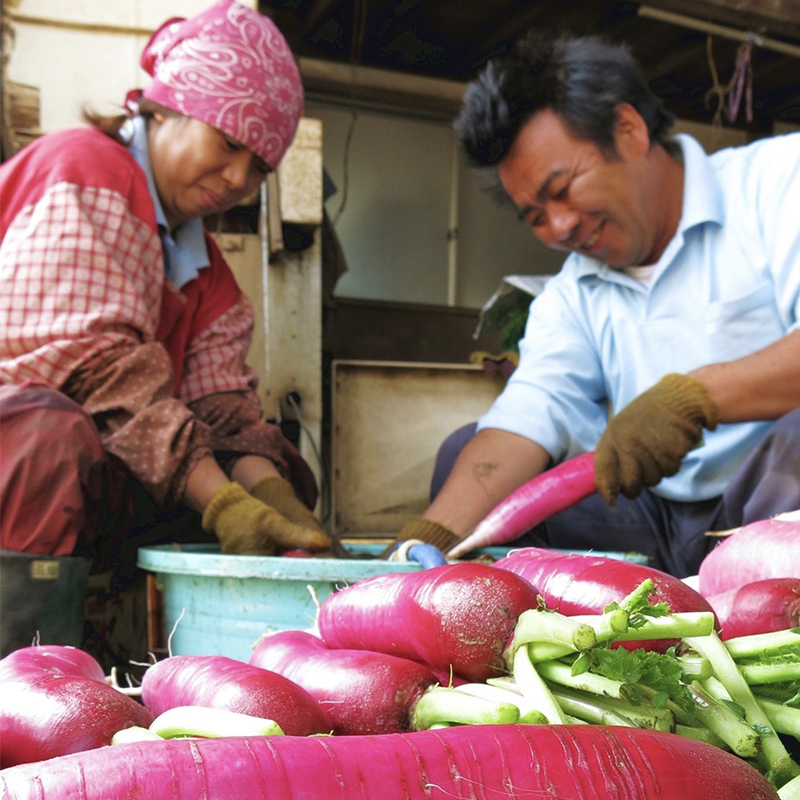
x=185, y=254
x=727, y=285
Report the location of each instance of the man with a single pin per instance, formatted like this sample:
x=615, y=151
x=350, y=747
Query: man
x=667, y=343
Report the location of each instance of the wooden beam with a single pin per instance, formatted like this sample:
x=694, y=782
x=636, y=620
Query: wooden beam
x=778, y=18
x=725, y=31
x=400, y=90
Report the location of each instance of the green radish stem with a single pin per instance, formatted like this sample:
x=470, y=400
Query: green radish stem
x=535, y=625
x=527, y=713
x=606, y=626
x=761, y=644
x=575, y=720
x=784, y=719
x=682, y=717
x=589, y=710
x=716, y=716
x=606, y=710
x=136, y=733
x=210, y=723
x=671, y=626
x=770, y=673
x=701, y=735
x=558, y=672
x=791, y=790
x=639, y=596
x=534, y=689
x=442, y=704
x=695, y=668
x=773, y=756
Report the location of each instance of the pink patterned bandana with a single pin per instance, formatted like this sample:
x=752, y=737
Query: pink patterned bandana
x=231, y=68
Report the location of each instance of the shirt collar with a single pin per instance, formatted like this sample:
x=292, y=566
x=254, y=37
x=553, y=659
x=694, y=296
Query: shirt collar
x=185, y=253
x=702, y=194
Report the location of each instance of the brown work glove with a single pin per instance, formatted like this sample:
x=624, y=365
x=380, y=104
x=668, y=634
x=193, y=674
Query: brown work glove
x=649, y=438
x=278, y=493
x=429, y=532
x=246, y=526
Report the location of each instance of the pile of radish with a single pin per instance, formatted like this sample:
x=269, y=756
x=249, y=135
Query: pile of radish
x=464, y=680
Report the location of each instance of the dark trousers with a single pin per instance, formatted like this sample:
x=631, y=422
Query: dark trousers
x=671, y=534
x=61, y=494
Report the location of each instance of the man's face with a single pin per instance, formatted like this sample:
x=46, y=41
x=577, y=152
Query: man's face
x=575, y=197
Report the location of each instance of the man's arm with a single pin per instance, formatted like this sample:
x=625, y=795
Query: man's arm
x=764, y=385
x=650, y=437
x=488, y=469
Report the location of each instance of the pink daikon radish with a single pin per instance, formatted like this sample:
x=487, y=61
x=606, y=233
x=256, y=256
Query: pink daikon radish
x=363, y=692
x=768, y=548
x=530, y=762
x=54, y=700
x=232, y=685
x=772, y=604
x=549, y=493
x=457, y=616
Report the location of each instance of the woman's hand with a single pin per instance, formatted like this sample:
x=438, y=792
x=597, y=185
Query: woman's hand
x=269, y=520
x=246, y=526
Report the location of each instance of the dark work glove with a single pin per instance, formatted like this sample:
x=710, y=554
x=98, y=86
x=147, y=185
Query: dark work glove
x=246, y=526
x=429, y=532
x=649, y=438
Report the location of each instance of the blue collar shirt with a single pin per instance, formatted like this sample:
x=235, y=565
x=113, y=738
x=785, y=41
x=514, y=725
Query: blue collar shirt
x=727, y=285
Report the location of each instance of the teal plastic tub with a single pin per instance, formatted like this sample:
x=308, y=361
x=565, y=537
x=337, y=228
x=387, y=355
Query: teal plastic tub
x=218, y=604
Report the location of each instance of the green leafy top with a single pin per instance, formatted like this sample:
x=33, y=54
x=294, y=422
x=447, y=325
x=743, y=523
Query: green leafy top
x=638, y=605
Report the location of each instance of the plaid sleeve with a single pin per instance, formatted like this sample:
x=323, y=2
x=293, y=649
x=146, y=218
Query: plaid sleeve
x=79, y=274
x=215, y=359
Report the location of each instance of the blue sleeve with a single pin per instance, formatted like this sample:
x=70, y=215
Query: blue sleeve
x=557, y=395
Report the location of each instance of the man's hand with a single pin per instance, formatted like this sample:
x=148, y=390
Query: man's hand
x=245, y=525
x=430, y=532
x=649, y=438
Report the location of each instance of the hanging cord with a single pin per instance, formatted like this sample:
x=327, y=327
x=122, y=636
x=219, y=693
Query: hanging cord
x=325, y=482
x=742, y=83
x=739, y=86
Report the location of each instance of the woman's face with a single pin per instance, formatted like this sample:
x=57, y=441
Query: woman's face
x=197, y=169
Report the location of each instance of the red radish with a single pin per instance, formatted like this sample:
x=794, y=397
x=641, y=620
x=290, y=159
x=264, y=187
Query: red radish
x=221, y=682
x=54, y=701
x=769, y=548
x=758, y=607
x=574, y=583
x=362, y=691
x=458, y=615
x=552, y=491
x=572, y=762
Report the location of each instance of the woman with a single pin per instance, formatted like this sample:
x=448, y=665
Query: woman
x=128, y=415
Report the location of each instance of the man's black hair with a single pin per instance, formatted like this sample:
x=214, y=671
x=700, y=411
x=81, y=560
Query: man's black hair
x=581, y=79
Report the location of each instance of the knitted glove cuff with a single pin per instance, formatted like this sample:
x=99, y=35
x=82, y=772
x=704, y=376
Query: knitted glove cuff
x=688, y=398
x=430, y=532
x=227, y=495
x=274, y=491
